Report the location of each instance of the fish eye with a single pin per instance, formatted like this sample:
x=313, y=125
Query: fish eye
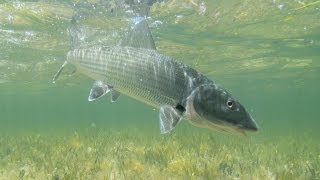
x=230, y=103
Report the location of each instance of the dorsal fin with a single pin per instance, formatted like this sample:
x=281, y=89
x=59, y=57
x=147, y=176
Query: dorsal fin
x=139, y=36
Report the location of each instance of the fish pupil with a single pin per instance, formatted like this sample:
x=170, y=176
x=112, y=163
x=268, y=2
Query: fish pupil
x=230, y=103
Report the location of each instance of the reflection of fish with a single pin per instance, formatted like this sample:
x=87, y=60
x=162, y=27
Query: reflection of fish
x=139, y=71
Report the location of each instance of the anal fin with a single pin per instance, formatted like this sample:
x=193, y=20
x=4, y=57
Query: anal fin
x=169, y=118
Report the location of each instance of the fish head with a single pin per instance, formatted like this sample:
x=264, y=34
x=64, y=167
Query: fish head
x=215, y=108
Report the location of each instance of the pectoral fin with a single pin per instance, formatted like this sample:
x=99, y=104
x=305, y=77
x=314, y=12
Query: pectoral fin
x=169, y=118
x=98, y=90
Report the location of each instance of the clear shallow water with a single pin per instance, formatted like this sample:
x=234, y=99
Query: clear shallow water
x=264, y=52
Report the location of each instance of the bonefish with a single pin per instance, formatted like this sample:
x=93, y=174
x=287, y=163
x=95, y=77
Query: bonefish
x=179, y=91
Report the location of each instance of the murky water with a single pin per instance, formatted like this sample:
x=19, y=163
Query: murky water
x=266, y=53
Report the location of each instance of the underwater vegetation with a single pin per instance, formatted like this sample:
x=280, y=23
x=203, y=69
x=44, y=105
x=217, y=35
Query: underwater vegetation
x=123, y=154
x=267, y=52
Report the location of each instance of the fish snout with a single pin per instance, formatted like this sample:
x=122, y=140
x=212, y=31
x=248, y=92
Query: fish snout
x=251, y=125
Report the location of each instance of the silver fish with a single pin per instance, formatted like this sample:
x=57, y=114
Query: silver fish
x=146, y=75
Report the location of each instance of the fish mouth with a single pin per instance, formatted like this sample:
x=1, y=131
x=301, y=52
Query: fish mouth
x=227, y=128
x=247, y=129
x=251, y=125
x=242, y=128
x=252, y=129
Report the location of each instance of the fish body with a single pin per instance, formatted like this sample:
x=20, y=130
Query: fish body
x=179, y=91
x=142, y=74
x=136, y=69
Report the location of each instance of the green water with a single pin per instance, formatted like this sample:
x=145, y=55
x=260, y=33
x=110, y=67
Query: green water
x=266, y=53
